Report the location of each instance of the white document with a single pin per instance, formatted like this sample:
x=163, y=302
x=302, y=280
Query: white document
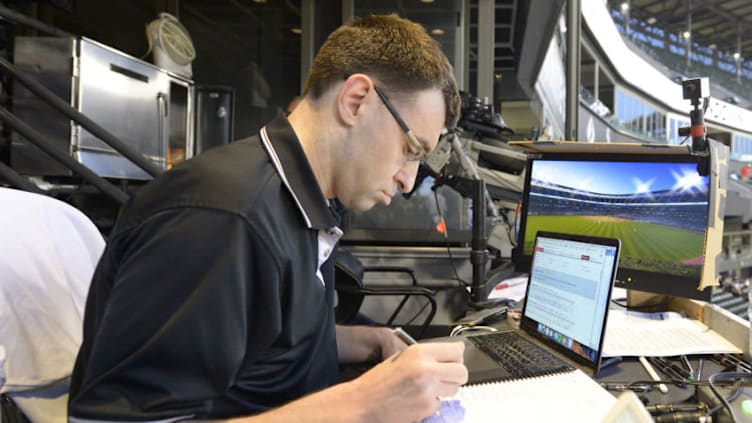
x=660, y=334
x=565, y=397
x=512, y=288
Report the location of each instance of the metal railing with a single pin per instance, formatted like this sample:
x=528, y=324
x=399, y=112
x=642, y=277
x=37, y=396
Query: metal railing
x=36, y=138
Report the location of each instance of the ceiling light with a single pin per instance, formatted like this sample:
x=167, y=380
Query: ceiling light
x=624, y=6
x=426, y=1
x=296, y=31
x=737, y=55
x=686, y=34
x=713, y=46
x=652, y=20
x=437, y=31
x=259, y=1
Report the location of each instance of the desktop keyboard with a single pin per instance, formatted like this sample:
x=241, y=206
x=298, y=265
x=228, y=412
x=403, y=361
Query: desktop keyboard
x=518, y=356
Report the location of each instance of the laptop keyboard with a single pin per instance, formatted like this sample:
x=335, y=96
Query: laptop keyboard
x=518, y=356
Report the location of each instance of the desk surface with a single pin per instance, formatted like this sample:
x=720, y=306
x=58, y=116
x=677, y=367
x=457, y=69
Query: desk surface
x=630, y=370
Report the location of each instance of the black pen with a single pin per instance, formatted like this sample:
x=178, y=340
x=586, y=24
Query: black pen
x=670, y=369
x=667, y=368
x=620, y=386
x=681, y=371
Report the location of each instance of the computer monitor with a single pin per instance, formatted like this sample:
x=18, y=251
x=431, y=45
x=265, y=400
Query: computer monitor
x=657, y=205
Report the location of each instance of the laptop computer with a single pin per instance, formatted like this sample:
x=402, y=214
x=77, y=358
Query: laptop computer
x=564, y=316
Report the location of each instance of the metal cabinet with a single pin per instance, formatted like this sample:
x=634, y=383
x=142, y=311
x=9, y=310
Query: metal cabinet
x=146, y=107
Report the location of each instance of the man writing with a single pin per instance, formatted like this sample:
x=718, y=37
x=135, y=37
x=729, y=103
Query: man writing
x=210, y=301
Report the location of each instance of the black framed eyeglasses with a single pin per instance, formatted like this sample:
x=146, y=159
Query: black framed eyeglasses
x=416, y=152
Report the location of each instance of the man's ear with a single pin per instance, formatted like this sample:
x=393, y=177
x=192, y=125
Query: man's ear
x=353, y=98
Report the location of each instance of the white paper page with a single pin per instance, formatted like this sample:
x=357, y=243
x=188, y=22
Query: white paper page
x=566, y=397
x=512, y=288
x=634, y=334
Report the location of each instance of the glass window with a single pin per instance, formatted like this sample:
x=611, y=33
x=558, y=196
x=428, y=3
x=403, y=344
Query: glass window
x=672, y=131
x=660, y=127
x=620, y=107
x=741, y=144
x=649, y=120
x=639, y=112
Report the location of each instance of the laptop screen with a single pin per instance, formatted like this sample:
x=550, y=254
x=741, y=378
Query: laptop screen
x=568, y=293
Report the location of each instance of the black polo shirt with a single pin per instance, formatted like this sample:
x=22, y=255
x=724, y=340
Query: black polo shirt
x=207, y=302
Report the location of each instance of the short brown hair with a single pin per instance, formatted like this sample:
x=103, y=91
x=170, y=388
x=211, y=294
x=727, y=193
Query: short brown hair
x=397, y=52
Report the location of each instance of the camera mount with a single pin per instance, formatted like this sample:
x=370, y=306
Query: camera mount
x=694, y=90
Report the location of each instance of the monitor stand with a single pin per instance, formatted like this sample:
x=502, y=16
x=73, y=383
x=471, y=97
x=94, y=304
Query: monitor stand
x=482, y=285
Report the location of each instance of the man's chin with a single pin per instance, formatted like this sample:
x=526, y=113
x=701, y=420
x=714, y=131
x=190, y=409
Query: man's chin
x=364, y=205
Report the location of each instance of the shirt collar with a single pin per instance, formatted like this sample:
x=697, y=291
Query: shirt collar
x=293, y=168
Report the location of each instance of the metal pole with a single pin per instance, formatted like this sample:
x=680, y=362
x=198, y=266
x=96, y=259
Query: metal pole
x=17, y=180
x=307, y=26
x=348, y=11
x=573, y=68
x=689, y=31
x=37, y=139
x=20, y=18
x=479, y=253
x=739, y=52
x=486, y=50
x=53, y=100
x=461, y=46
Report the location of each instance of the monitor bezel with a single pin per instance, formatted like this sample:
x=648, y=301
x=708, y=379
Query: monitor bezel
x=640, y=280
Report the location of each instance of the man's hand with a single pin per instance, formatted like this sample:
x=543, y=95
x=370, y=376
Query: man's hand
x=358, y=344
x=407, y=386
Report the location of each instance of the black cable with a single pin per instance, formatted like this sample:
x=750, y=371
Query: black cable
x=514, y=228
x=510, y=235
x=463, y=283
x=728, y=377
x=621, y=302
x=417, y=314
x=734, y=395
x=676, y=382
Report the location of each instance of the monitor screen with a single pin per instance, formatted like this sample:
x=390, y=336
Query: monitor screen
x=657, y=205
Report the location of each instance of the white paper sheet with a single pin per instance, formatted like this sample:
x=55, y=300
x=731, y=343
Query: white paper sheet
x=566, y=397
x=663, y=334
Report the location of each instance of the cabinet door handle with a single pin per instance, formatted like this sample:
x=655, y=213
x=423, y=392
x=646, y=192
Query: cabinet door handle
x=162, y=104
x=129, y=73
x=161, y=118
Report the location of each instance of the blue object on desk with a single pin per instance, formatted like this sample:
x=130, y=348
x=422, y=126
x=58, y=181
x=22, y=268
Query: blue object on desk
x=451, y=411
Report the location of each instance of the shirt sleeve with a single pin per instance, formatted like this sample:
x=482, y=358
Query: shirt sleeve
x=174, y=328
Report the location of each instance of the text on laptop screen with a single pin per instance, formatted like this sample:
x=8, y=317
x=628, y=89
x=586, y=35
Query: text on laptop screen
x=656, y=205
x=569, y=288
